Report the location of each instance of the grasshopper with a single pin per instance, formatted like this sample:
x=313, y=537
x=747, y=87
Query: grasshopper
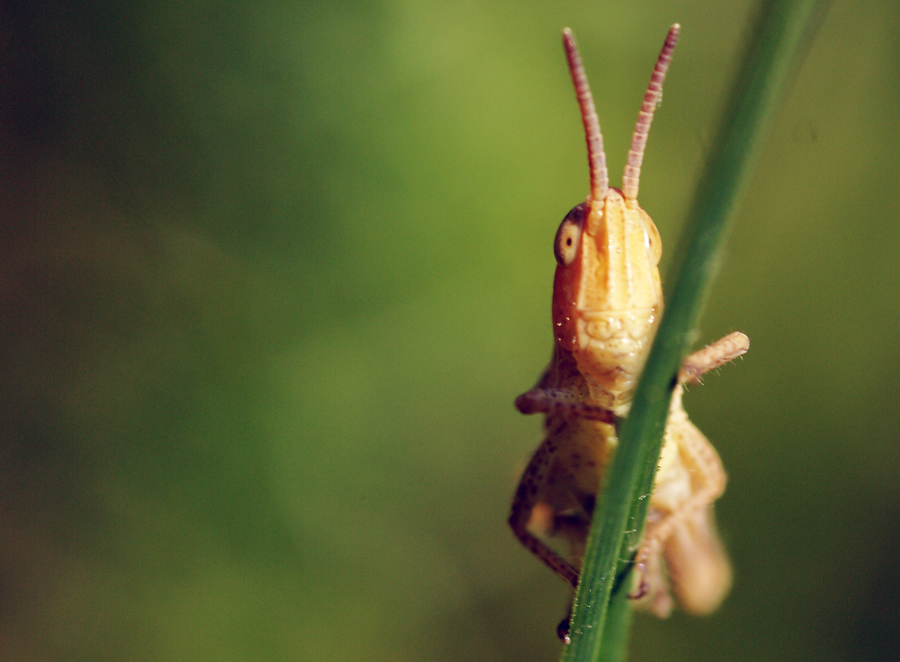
x=607, y=300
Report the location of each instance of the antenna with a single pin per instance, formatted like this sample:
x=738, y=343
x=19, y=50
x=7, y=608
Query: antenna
x=596, y=157
x=652, y=96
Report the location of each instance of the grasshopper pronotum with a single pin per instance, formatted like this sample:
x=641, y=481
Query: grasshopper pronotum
x=607, y=300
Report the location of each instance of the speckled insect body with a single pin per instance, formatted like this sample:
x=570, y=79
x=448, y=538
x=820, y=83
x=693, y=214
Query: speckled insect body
x=607, y=301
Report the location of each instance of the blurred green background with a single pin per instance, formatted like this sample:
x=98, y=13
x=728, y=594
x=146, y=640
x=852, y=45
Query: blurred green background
x=273, y=273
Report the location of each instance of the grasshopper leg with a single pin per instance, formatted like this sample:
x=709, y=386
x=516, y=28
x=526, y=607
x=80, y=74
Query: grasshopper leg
x=526, y=508
x=680, y=526
x=561, y=401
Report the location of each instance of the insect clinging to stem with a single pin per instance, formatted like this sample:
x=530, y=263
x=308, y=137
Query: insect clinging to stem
x=607, y=301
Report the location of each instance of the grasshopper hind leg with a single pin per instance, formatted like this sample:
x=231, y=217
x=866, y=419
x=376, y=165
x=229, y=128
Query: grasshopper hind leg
x=529, y=511
x=681, y=528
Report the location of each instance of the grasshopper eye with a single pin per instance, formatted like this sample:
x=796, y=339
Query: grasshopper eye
x=654, y=243
x=568, y=237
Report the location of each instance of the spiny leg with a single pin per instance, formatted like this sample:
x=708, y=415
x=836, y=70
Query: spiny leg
x=524, y=504
x=705, y=467
x=552, y=401
x=712, y=356
x=648, y=562
x=693, y=446
x=705, y=470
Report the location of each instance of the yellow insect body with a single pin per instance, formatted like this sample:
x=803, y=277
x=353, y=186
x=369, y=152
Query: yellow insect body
x=607, y=300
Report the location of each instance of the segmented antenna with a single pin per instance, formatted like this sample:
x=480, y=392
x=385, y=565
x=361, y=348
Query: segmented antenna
x=651, y=98
x=596, y=157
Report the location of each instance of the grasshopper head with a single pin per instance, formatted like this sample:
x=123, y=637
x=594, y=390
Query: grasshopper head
x=607, y=296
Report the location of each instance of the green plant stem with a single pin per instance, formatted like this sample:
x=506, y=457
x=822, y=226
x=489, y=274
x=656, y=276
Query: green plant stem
x=783, y=31
x=617, y=628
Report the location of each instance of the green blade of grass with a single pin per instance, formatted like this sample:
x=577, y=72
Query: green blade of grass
x=783, y=31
